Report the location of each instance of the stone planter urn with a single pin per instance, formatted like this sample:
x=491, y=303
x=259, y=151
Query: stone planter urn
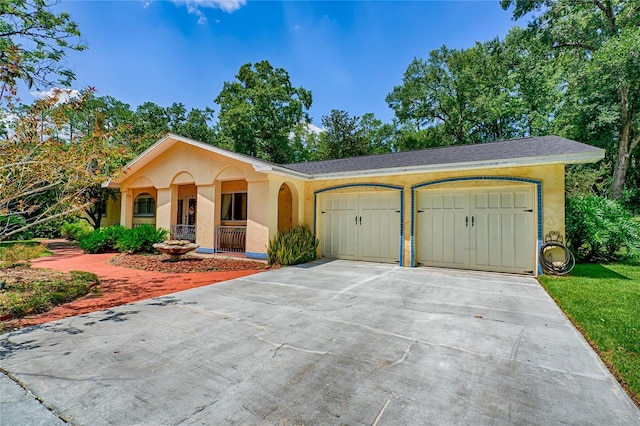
x=175, y=248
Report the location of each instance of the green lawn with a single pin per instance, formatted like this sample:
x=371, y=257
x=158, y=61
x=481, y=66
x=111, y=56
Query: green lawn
x=604, y=302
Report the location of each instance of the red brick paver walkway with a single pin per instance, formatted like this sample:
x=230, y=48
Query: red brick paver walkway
x=118, y=285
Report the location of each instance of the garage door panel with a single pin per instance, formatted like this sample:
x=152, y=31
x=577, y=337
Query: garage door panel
x=494, y=239
x=494, y=231
x=437, y=239
x=380, y=227
x=522, y=200
x=507, y=244
x=507, y=200
x=442, y=239
x=481, y=241
x=481, y=200
x=361, y=226
x=523, y=240
x=424, y=244
x=338, y=230
x=494, y=200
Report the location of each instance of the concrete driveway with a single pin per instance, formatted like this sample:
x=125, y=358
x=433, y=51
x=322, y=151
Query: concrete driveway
x=327, y=343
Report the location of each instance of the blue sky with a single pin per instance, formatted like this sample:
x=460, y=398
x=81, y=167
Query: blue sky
x=350, y=54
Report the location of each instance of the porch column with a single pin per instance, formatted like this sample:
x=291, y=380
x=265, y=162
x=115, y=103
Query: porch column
x=205, y=214
x=163, y=209
x=259, y=217
x=126, y=208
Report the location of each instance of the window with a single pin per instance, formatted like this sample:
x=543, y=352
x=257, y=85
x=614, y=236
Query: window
x=234, y=206
x=144, y=205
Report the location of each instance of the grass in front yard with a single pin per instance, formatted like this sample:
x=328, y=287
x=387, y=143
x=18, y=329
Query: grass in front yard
x=19, y=253
x=603, y=301
x=25, y=291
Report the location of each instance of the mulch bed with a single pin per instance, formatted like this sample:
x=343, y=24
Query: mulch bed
x=188, y=264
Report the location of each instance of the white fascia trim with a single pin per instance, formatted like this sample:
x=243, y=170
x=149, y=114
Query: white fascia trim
x=579, y=158
x=281, y=171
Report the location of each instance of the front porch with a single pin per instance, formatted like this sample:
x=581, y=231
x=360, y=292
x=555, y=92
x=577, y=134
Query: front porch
x=229, y=239
x=222, y=201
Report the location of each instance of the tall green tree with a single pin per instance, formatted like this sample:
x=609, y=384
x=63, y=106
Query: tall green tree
x=600, y=39
x=259, y=110
x=151, y=121
x=33, y=43
x=466, y=94
x=494, y=90
x=379, y=135
x=343, y=136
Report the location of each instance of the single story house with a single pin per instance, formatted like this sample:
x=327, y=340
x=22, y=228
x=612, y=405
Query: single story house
x=481, y=207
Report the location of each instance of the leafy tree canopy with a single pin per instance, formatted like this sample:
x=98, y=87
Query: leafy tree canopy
x=33, y=43
x=259, y=110
x=597, y=42
x=46, y=174
x=343, y=136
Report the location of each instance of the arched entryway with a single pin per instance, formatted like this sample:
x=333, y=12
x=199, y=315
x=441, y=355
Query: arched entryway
x=285, y=208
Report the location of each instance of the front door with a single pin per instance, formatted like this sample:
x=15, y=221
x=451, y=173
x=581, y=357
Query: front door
x=185, y=228
x=186, y=210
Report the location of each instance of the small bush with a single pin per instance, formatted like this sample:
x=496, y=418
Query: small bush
x=295, y=246
x=102, y=240
x=76, y=230
x=141, y=239
x=601, y=230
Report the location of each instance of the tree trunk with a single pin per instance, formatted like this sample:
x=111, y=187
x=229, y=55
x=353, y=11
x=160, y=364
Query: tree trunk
x=624, y=146
x=620, y=171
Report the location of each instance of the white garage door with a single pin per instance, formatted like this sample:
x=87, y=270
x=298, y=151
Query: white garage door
x=484, y=229
x=360, y=227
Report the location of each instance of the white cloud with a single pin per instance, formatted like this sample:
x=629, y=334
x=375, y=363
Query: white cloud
x=63, y=95
x=195, y=7
x=312, y=128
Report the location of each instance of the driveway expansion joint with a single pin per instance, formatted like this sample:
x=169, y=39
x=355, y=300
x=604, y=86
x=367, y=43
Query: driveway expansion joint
x=32, y=395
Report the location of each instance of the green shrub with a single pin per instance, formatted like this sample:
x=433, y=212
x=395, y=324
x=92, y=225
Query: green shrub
x=141, y=239
x=50, y=228
x=76, y=230
x=10, y=223
x=601, y=230
x=102, y=240
x=295, y=246
x=631, y=200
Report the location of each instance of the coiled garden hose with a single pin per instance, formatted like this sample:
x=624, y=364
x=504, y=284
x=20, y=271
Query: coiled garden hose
x=557, y=267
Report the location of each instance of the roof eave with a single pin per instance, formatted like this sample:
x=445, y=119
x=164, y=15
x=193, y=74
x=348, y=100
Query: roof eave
x=575, y=158
x=258, y=165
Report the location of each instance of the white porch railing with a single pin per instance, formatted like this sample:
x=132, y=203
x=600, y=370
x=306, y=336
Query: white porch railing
x=183, y=232
x=231, y=238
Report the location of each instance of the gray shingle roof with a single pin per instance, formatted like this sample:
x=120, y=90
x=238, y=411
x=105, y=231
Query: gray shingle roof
x=491, y=151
